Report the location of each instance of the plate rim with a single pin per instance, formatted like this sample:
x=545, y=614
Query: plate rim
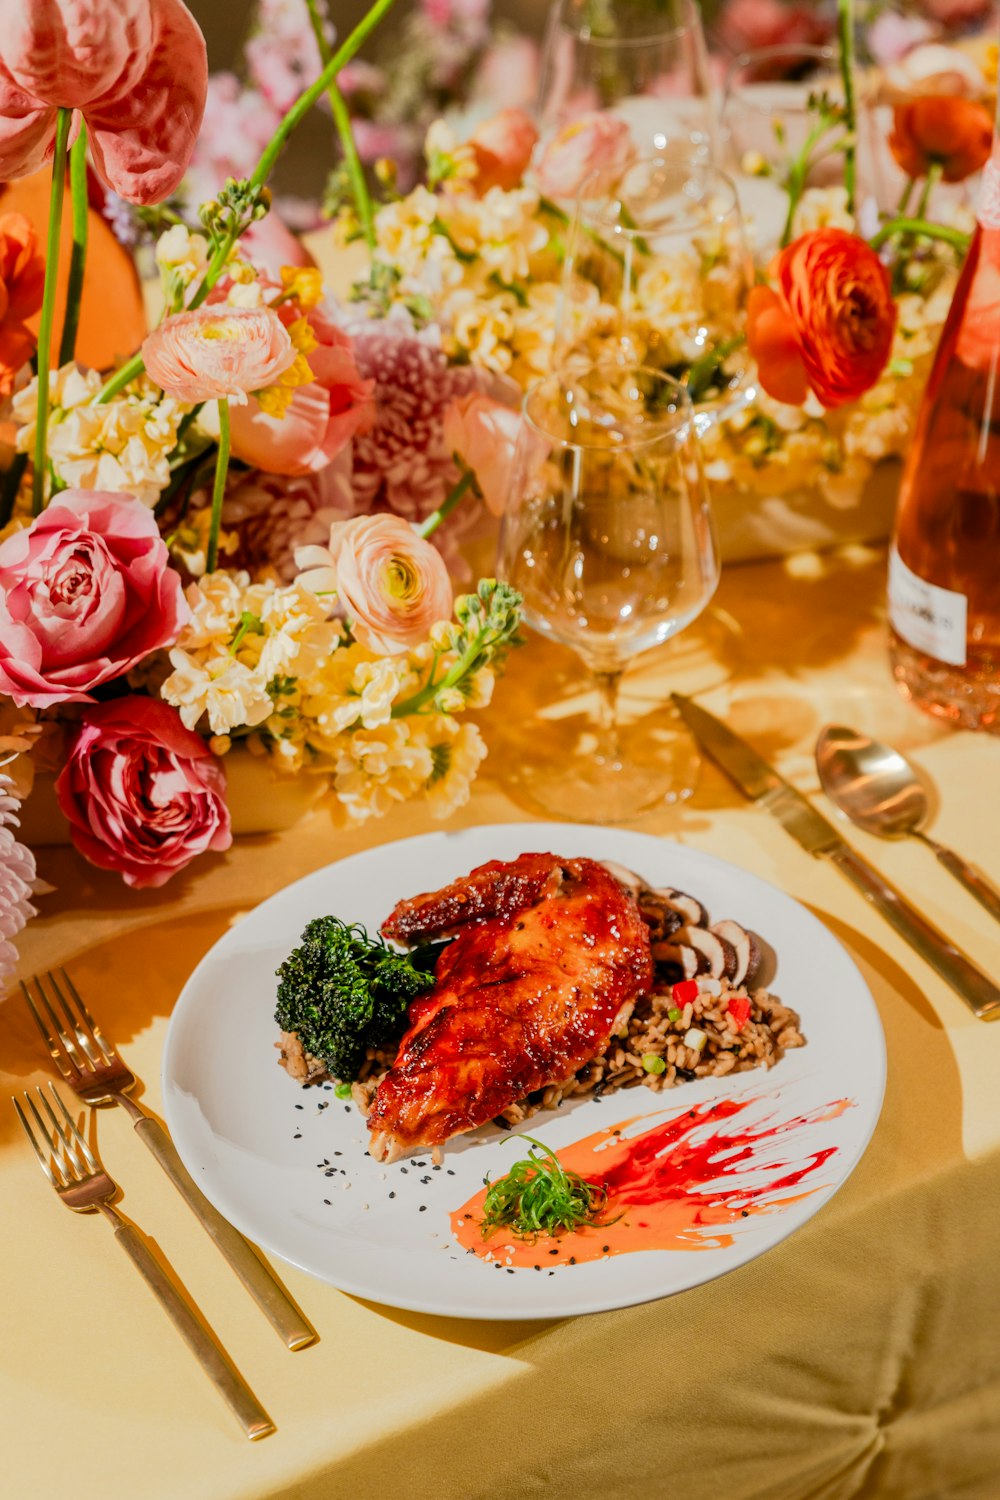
x=493, y=1311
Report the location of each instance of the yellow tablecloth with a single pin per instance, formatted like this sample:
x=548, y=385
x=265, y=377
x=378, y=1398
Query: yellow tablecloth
x=859, y=1358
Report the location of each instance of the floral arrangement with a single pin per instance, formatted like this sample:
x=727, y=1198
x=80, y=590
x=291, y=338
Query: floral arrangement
x=231, y=539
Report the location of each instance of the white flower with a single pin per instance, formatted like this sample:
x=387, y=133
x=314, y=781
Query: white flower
x=225, y=689
x=17, y=875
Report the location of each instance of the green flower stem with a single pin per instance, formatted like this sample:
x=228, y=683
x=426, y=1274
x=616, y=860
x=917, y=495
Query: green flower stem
x=218, y=488
x=78, y=254
x=467, y=662
x=799, y=171
x=435, y=519
x=933, y=178
x=63, y=120
x=845, y=29
x=351, y=44
x=953, y=237
x=904, y=196
x=342, y=120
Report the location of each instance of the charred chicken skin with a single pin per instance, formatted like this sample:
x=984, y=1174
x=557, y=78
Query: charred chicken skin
x=547, y=953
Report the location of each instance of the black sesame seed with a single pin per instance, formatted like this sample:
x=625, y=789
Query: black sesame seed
x=745, y=1213
x=605, y=1248
x=510, y=1270
x=553, y=1252
x=326, y=1201
x=423, y=1208
x=449, y=1171
x=300, y=1106
x=297, y=1136
x=403, y=1170
x=347, y=1109
x=572, y=1260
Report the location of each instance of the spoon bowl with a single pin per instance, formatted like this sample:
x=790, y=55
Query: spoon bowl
x=873, y=784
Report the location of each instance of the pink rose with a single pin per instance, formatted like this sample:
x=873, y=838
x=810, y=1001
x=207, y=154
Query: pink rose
x=594, y=143
x=135, y=69
x=323, y=416
x=502, y=148
x=85, y=593
x=484, y=435
x=392, y=584
x=218, y=352
x=143, y=795
x=749, y=25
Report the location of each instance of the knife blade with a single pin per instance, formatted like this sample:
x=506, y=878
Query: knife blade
x=764, y=786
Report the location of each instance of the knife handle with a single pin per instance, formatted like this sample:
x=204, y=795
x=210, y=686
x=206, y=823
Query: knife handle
x=979, y=992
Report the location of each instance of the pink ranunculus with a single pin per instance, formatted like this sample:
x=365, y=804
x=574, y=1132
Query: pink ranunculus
x=502, y=148
x=322, y=417
x=595, y=143
x=136, y=70
x=484, y=435
x=143, y=795
x=86, y=591
x=218, y=352
x=392, y=584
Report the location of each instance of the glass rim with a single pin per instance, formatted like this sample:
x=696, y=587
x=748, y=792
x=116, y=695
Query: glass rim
x=679, y=423
x=818, y=51
x=646, y=40
x=675, y=223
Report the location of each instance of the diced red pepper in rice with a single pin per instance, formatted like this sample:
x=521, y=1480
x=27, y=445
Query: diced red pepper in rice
x=739, y=1008
x=685, y=991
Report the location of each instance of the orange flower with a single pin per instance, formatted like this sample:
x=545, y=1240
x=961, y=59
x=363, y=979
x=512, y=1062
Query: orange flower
x=828, y=326
x=954, y=134
x=22, y=278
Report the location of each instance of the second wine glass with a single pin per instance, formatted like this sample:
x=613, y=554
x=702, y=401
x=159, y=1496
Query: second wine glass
x=608, y=537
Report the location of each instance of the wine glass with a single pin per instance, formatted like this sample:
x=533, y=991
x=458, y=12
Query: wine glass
x=608, y=538
x=648, y=65
x=657, y=272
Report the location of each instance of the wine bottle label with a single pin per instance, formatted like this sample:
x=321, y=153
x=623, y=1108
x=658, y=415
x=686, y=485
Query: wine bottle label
x=928, y=618
x=989, y=196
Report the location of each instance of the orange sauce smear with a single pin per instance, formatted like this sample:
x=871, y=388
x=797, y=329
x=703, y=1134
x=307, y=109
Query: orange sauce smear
x=656, y=1180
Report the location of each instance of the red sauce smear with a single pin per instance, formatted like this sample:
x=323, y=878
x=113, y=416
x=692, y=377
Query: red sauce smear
x=657, y=1180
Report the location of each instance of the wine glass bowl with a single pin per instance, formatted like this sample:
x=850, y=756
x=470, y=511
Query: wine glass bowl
x=657, y=272
x=608, y=538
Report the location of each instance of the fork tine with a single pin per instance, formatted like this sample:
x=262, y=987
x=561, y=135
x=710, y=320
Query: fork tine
x=43, y=1160
x=88, y=1155
x=68, y=1148
x=78, y=1033
x=55, y=1051
x=110, y=1052
x=56, y=1158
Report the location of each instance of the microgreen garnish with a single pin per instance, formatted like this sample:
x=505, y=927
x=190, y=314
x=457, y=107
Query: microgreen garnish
x=539, y=1196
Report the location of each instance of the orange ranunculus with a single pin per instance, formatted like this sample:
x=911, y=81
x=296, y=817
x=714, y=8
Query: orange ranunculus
x=502, y=148
x=828, y=326
x=955, y=134
x=22, y=279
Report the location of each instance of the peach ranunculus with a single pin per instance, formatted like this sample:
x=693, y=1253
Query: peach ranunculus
x=829, y=325
x=502, y=148
x=952, y=133
x=594, y=143
x=931, y=69
x=484, y=435
x=22, y=279
x=217, y=353
x=322, y=416
x=135, y=69
x=391, y=583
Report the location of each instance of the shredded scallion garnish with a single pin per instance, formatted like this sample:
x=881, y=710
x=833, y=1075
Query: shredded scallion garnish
x=539, y=1196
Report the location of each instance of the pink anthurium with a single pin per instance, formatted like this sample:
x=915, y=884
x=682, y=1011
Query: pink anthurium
x=135, y=69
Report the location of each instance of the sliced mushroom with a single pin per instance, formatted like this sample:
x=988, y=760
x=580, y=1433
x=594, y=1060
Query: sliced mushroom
x=680, y=955
x=689, y=907
x=625, y=877
x=715, y=952
x=745, y=947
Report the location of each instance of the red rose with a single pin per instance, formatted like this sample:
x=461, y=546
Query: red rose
x=143, y=795
x=829, y=324
x=85, y=593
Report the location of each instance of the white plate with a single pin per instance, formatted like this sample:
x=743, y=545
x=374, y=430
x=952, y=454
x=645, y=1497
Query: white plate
x=256, y=1142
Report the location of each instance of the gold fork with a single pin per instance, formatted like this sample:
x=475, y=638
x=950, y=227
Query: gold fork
x=83, y=1185
x=96, y=1073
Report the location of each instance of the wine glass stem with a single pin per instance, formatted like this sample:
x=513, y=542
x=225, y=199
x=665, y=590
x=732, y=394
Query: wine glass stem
x=608, y=746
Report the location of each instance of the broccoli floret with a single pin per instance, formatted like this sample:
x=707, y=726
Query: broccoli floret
x=342, y=991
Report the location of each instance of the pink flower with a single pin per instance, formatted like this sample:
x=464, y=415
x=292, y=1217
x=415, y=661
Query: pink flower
x=323, y=416
x=85, y=593
x=216, y=352
x=484, y=435
x=748, y=25
x=507, y=76
x=593, y=143
x=392, y=584
x=143, y=795
x=502, y=148
x=136, y=70
x=270, y=244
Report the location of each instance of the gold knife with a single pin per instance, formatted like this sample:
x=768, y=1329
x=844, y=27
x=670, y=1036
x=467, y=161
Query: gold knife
x=758, y=781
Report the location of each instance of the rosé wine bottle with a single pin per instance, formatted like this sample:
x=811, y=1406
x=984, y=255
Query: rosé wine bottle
x=944, y=566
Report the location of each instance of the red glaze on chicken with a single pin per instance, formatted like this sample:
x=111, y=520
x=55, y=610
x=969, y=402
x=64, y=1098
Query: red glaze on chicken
x=547, y=952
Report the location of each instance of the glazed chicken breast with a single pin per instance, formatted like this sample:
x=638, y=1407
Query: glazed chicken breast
x=546, y=955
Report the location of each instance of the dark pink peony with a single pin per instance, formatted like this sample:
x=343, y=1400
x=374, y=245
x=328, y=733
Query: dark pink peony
x=143, y=795
x=86, y=591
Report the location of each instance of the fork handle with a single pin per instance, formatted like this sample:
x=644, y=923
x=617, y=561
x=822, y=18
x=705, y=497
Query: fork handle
x=274, y=1302
x=217, y=1365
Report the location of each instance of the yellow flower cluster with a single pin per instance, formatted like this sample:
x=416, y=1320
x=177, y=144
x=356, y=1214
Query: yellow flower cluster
x=262, y=662
x=123, y=445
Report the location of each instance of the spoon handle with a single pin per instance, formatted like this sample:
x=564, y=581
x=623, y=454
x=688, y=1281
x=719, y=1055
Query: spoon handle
x=974, y=881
